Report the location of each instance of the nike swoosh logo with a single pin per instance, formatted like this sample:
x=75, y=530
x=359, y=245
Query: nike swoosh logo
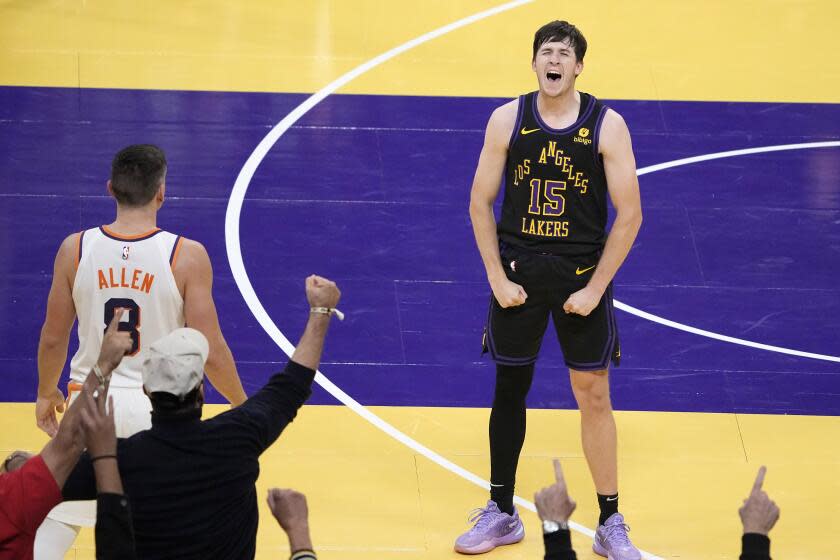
x=579, y=271
x=523, y=132
x=612, y=499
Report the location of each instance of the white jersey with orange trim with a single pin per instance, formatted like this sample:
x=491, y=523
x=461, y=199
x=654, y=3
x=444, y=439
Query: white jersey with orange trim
x=133, y=273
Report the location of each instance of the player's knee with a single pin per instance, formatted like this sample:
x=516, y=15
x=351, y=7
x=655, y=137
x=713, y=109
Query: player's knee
x=592, y=391
x=594, y=402
x=513, y=383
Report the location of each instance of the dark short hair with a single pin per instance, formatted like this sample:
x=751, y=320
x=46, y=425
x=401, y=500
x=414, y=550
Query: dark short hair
x=136, y=174
x=560, y=31
x=168, y=403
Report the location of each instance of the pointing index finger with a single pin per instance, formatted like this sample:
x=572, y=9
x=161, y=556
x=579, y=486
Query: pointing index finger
x=759, y=479
x=558, y=473
x=115, y=321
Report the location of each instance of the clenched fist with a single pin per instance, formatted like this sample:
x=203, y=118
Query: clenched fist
x=321, y=292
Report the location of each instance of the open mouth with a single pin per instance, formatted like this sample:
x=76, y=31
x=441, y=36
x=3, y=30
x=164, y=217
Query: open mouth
x=553, y=75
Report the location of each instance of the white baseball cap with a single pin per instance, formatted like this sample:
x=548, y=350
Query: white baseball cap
x=175, y=363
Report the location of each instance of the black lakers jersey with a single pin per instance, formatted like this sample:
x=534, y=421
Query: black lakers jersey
x=555, y=187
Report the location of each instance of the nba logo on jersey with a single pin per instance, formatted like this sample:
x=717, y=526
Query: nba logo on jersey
x=125, y=252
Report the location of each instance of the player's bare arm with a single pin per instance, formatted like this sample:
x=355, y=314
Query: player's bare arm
x=623, y=187
x=55, y=336
x=485, y=189
x=194, y=276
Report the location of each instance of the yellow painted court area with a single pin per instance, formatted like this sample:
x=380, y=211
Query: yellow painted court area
x=717, y=50
x=682, y=476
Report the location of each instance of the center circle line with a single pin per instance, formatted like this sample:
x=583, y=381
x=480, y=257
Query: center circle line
x=709, y=334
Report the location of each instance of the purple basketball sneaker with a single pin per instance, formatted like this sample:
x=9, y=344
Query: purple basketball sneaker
x=611, y=540
x=492, y=528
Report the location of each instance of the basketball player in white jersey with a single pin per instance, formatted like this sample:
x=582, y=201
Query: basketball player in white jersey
x=161, y=280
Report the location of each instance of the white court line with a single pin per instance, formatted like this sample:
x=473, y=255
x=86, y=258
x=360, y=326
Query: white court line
x=240, y=275
x=734, y=153
x=709, y=334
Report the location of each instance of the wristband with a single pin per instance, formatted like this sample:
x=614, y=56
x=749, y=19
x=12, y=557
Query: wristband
x=303, y=554
x=551, y=527
x=97, y=371
x=327, y=311
x=94, y=459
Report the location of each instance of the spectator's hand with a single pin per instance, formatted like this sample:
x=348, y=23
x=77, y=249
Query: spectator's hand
x=289, y=508
x=321, y=292
x=98, y=424
x=71, y=431
x=15, y=461
x=115, y=344
x=553, y=502
x=759, y=513
x=45, y=408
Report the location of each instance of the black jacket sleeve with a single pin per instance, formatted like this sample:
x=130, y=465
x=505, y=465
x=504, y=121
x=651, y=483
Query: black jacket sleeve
x=755, y=547
x=114, y=530
x=558, y=546
x=81, y=484
x=262, y=418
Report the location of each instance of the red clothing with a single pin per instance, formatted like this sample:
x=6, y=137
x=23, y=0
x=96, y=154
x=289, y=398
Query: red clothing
x=26, y=497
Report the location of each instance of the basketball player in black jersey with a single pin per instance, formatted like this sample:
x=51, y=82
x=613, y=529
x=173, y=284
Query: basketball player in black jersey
x=561, y=153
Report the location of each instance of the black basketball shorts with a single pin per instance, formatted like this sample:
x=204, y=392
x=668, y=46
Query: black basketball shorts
x=513, y=335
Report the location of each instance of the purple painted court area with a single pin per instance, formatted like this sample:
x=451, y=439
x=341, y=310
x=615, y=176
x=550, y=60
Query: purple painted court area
x=372, y=191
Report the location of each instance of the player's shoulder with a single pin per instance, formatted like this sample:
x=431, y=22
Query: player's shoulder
x=69, y=250
x=506, y=114
x=68, y=255
x=614, y=132
x=502, y=121
x=191, y=255
x=192, y=246
x=508, y=109
x=613, y=122
x=71, y=241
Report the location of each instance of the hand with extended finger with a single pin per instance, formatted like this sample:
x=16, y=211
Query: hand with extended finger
x=321, y=292
x=101, y=438
x=582, y=302
x=553, y=502
x=759, y=513
x=115, y=344
x=507, y=293
x=71, y=432
x=98, y=424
